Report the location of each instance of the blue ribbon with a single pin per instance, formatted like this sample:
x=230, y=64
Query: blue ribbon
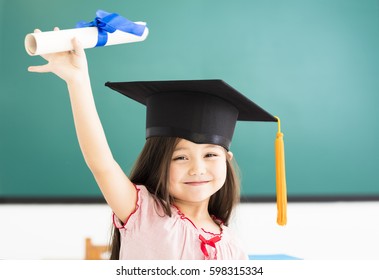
x=109, y=23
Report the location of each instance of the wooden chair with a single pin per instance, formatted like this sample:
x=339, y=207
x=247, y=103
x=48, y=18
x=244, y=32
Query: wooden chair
x=96, y=252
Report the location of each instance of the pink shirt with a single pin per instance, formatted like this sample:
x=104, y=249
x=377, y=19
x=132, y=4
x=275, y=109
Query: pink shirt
x=149, y=234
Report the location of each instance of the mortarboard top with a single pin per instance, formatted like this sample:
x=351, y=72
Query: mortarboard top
x=202, y=111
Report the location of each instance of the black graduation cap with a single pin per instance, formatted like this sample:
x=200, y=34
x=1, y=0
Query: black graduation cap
x=204, y=112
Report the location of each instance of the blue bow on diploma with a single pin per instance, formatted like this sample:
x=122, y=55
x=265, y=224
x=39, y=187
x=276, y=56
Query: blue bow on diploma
x=109, y=23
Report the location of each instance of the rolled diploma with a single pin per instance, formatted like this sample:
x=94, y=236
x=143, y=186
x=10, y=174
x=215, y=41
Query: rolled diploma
x=59, y=41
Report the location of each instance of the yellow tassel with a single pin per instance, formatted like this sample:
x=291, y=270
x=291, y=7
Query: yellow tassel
x=281, y=186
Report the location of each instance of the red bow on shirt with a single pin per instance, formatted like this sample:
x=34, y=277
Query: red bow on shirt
x=211, y=242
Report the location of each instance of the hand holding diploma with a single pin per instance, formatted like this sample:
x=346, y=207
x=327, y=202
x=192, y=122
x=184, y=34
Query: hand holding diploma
x=68, y=65
x=107, y=29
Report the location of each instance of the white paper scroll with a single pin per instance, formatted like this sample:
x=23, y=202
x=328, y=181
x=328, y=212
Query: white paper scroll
x=59, y=41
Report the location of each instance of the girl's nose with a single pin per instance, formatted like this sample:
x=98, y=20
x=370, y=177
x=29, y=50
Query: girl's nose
x=197, y=168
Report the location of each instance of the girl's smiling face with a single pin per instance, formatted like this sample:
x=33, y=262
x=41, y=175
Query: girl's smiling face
x=197, y=171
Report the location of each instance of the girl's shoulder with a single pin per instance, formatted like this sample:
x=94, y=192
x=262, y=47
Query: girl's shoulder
x=147, y=209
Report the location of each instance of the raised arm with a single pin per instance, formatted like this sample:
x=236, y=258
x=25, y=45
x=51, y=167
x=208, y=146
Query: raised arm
x=117, y=189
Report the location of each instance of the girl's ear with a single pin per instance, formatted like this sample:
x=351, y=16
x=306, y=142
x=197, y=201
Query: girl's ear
x=229, y=155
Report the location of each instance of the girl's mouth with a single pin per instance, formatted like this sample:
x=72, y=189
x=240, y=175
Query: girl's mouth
x=196, y=183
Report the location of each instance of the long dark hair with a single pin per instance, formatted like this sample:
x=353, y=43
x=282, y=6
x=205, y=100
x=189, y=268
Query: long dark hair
x=151, y=169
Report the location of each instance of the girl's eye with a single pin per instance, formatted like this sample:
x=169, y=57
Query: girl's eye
x=210, y=155
x=180, y=158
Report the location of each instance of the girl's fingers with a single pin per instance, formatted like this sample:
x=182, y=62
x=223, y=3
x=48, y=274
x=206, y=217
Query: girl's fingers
x=61, y=60
x=39, y=69
x=78, y=49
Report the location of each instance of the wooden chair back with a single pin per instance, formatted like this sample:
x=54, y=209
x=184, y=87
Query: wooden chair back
x=96, y=252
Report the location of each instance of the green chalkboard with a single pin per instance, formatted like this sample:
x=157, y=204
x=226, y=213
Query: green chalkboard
x=313, y=63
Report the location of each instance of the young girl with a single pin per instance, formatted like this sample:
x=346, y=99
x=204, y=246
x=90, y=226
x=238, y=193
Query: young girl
x=179, y=197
